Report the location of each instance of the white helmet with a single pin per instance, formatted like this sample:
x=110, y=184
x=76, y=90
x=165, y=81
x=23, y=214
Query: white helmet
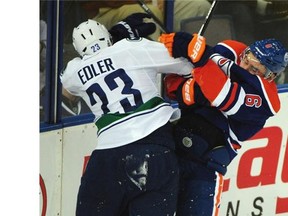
x=89, y=37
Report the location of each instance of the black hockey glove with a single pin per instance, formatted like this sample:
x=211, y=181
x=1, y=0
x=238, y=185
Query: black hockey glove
x=219, y=158
x=132, y=27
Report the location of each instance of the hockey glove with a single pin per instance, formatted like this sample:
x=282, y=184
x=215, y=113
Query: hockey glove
x=193, y=47
x=171, y=84
x=219, y=158
x=132, y=27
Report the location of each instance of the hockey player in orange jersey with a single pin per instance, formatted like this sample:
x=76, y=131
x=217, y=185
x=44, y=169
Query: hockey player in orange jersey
x=229, y=98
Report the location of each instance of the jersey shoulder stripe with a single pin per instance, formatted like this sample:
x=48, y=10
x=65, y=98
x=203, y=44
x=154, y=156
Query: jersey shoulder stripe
x=230, y=49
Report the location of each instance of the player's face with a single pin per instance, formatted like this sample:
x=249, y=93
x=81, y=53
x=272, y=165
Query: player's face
x=250, y=63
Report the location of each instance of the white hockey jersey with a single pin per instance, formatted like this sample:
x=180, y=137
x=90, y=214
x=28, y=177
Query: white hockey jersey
x=119, y=84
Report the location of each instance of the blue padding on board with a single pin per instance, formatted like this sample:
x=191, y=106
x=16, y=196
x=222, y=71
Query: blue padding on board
x=282, y=88
x=68, y=122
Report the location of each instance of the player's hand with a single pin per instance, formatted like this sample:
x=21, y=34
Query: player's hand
x=171, y=84
x=176, y=43
x=168, y=41
x=196, y=48
x=219, y=158
x=182, y=44
x=132, y=27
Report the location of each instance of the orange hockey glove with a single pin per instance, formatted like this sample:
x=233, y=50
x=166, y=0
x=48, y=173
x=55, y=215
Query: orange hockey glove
x=167, y=40
x=193, y=47
x=196, y=48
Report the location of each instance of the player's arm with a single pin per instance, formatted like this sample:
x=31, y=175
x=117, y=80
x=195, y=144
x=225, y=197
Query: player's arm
x=230, y=49
x=194, y=47
x=239, y=100
x=65, y=80
x=157, y=57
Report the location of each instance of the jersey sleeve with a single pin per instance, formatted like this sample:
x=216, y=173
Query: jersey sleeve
x=160, y=59
x=67, y=76
x=251, y=83
x=230, y=49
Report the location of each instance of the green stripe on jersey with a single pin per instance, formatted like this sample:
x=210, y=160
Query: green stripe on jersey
x=109, y=118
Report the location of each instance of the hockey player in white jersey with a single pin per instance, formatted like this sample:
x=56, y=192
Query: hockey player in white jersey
x=133, y=169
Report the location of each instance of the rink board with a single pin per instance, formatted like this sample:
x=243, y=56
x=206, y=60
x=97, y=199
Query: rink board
x=256, y=182
x=257, y=179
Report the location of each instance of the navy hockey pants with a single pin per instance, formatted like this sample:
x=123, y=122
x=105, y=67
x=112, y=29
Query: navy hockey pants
x=136, y=179
x=200, y=190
